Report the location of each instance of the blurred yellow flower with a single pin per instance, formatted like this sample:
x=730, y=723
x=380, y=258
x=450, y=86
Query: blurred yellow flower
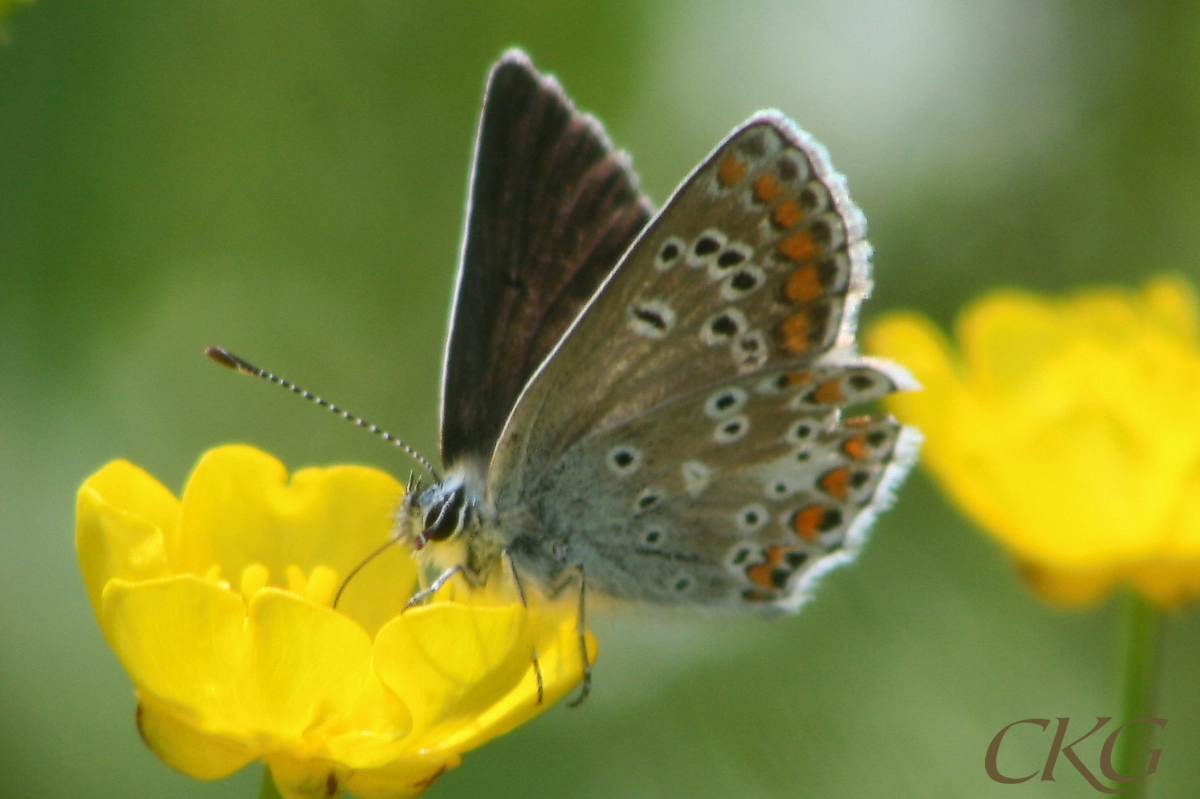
x=1070, y=430
x=219, y=607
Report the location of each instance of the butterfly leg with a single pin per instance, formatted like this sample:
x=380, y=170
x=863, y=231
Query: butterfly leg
x=442, y=579
x=585, y=687
x=537, y=666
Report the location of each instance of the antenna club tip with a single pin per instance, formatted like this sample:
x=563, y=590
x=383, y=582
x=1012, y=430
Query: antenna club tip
x=226, y=359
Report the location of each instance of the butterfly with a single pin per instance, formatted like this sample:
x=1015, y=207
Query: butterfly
x=651, y=402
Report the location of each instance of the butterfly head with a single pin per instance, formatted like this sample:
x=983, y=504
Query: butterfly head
x=444, y=509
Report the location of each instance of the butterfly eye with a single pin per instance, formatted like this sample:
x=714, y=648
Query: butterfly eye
x=445, y=517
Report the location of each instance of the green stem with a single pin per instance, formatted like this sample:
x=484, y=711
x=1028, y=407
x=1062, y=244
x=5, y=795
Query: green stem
x=1139, y=691
x=268, y=789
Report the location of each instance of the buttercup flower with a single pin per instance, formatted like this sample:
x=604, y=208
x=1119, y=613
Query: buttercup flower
x=219, y=607
x=1069, y=429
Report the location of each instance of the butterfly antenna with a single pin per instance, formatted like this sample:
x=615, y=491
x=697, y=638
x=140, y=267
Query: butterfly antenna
x=231, y=361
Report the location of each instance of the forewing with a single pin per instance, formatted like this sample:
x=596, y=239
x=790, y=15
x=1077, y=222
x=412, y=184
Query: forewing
x=552, y=207
x=757, y=264
x=685, y=438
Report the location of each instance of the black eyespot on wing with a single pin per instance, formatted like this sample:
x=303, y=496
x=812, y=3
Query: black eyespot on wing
x=788, y=169
x=743, y=281
x=830, y=519
x=795, y=559
x=730, y=258
x=651, y=317
x=648, y=500
x=753, y=144
x=724, y=325
x=706, y=245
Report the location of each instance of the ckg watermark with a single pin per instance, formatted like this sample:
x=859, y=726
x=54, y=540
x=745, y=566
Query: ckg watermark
x=1067, y=750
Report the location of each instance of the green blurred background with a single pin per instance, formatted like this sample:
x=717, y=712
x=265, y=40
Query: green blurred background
x=287, y=179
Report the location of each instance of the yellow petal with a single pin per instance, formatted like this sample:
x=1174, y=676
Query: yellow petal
x=1171, y=304
x=1067, y=429
x=270, y=677
x=1007, y=340
x=449, y=663
x=1168, y=583
x=307, y=778
x=561, y=661
x=1068, y=588
x=185, y=748
x=121, y=516
x=239, y=509
x=404, y=778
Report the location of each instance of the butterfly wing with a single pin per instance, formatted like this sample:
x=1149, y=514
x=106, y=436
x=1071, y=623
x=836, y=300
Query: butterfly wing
x=726, y=330
x=552, y=207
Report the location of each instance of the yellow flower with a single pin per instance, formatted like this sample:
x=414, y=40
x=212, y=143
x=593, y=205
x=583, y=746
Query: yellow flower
x=219, y=607
x=1070, y=430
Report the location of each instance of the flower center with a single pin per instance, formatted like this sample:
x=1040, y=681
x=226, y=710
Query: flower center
x=317, y=586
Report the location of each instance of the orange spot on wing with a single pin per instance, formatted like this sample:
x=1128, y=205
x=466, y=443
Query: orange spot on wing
x=767, y=187
x=787, y=215
x=760, y=575
x=836, y=483
x=776, y=554
x=799, y=247
x=794, y=332
x=856, y=447
x=829, y=392
x=803, y=285
x=731, y=170
x=793, y=379
x=807, y=520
